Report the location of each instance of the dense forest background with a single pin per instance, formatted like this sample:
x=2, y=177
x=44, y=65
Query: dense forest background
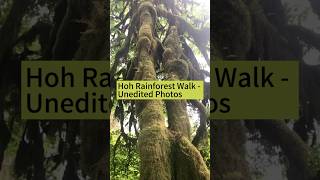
x=269, y=30
x=50, y=30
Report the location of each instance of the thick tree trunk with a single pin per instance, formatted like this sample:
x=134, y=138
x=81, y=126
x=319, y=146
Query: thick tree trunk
x=165, y=155
x=176, y=69
x=154, y=140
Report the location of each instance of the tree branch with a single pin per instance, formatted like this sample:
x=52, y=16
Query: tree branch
x=297, y=152
x=202, y=129
x=200, y=36
x=315, y=4
x=306, y=35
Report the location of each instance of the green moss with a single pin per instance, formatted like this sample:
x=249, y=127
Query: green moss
x=178, y=119
x=190, y=164
x=155, y=150
x=178, y=67
x=151, y=113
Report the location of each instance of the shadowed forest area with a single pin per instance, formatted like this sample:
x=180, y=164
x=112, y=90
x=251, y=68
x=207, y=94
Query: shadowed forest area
x=269, y=149
x=50, y=30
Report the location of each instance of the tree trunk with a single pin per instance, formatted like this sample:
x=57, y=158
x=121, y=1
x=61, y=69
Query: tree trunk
x=165, y=154
x=176, y=69
x=154, y=140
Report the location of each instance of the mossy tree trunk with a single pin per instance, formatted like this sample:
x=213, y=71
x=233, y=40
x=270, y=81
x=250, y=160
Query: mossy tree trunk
x=166, y=154
x=176, y=69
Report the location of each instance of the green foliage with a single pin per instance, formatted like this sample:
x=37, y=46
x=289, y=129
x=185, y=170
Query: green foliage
x=205, y=151
x=124, y=160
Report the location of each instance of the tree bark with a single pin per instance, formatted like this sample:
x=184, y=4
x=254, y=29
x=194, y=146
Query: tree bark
x=154, y=141
x=176, y=69
x=165, y=154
